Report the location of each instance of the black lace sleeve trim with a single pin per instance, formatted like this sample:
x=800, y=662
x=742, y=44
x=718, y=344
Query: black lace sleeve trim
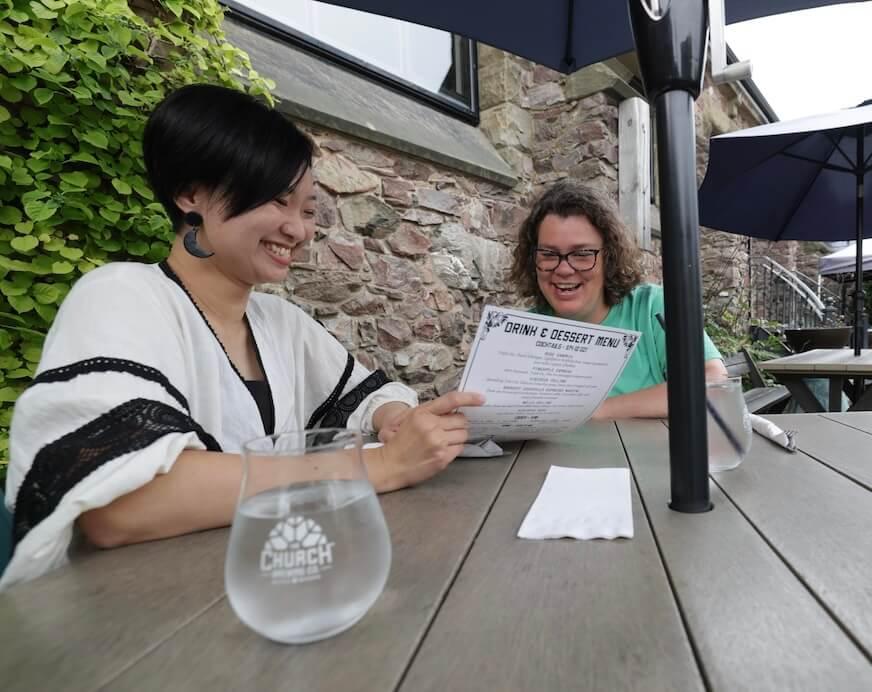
x=337, y=415
x=62, y=464
x=105, y=364
x=334, y=395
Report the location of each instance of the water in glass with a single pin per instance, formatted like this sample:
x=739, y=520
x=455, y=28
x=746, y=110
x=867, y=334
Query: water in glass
x=307, y=559
x=727, y=398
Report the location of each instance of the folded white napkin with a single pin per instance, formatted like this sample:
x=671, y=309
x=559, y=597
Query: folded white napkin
x=768, y=429
x=581, y=503
x=483, y=448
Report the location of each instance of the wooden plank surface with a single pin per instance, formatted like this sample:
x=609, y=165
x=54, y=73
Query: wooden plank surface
x=859, y=420
x=432, y=527
x=788, y=609
x=754, y=625
x=822, y=360
x=78, y=627
x=819, y=521
x=845, y=361
x=832, y=439
x=557, y=614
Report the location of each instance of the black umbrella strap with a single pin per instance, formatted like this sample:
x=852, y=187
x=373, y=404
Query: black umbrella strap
x=568, y=57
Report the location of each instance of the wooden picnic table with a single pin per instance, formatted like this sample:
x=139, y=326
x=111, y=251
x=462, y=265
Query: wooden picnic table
x=837, y=365
x=769, y=591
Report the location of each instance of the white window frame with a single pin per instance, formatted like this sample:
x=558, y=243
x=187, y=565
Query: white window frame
x=466, y=55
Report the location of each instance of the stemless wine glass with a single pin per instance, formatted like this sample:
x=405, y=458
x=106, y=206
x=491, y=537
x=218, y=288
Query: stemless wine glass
x=309, y=549
x=726, y=397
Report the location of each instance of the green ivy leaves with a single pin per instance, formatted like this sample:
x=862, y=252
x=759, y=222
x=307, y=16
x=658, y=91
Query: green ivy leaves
x=98, y=139
x=78, y=79
x=24, y=244
x=40, y=210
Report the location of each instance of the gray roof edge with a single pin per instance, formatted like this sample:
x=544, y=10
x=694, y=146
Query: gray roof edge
x=503, y=175
x=311, y=89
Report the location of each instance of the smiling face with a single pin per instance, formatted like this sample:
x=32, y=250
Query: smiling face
x=259, y=245
x=572, y=293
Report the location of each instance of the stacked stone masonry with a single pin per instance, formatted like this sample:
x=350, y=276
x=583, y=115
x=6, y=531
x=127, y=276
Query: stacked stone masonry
x=408, y=252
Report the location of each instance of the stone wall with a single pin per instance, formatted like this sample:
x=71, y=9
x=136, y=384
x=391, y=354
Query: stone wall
x=808, y=256
x=408, y=252
x=548, y=126
x=405, y=256
x=539, y=117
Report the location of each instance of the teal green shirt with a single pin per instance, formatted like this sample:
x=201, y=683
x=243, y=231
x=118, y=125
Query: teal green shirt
x=638, y=311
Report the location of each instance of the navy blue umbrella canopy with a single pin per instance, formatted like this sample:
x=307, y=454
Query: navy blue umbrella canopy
x=799, y=180
x=794, y=180
x=562, y=34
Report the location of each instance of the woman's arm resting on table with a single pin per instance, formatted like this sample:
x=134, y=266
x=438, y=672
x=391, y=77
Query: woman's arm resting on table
x=650, y=402
x=201, y=490
x=645, y=403
x=198, y=493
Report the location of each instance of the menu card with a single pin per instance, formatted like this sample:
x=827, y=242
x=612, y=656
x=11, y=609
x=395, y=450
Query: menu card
x=540, y=375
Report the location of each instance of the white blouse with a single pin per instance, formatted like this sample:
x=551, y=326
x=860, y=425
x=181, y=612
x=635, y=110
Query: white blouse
x=131, y=375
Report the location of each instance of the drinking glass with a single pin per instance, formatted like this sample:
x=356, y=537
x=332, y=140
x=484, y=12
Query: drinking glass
x=726, y=397
x=309, y=549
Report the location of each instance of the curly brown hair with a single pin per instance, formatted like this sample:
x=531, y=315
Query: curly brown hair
x=622, y=259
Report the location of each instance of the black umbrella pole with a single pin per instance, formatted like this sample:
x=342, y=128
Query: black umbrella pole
x=682, y=286
x=670, y=44
x=860, y=328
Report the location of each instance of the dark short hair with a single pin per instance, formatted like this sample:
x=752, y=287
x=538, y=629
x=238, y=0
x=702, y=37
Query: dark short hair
x=226, y=141
x=621, y=257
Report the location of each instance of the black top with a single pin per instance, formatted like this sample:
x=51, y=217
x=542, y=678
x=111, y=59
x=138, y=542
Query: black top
x=259, y=389
x=263, y=398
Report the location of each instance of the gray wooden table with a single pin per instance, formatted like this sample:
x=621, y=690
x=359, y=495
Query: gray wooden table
x=770, y=591
x=839, y=366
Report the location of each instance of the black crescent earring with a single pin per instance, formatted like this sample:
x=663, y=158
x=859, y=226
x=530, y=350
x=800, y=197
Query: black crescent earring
x=194, y=220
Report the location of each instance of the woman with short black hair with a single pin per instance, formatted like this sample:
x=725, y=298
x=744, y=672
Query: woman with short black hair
x=153, y=376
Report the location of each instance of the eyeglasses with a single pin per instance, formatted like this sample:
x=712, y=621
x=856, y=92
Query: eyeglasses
x=579, y=260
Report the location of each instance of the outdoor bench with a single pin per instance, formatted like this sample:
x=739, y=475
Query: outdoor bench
x=761, y=398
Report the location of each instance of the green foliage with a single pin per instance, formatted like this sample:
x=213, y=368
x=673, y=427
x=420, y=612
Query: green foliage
x=730, y=338
x=769, y=348
x=77, y=81
x=727, y=337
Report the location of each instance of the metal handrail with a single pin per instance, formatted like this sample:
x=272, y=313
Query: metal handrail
x=785, y=297
x=816, y=286
x=790, y=277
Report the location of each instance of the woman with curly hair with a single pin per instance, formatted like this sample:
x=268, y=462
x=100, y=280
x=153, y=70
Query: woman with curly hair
x=575, y=259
